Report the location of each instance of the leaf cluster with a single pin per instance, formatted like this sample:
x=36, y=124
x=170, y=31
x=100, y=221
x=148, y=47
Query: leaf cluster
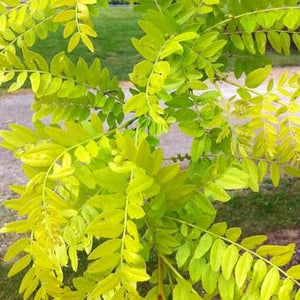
x=98, y=182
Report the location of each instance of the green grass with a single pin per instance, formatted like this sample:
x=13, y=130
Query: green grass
x=268, y=210
x=116, y=26
x=9, y=286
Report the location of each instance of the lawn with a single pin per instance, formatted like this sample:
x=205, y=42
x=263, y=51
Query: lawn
x=116, y=26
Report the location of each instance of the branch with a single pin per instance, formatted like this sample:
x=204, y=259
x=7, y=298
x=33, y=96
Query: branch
x=250, y=13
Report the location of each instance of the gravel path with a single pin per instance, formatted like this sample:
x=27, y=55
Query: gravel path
x=15, y=108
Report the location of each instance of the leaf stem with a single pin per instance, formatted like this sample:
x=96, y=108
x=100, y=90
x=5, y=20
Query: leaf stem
x=249, y=13
x=239, y=246
x=236, y=84
x=161, y=291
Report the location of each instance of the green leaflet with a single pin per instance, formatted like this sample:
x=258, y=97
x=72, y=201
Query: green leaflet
x=139, y=184
x=275, y=174
x=270, y=284
x=196, y=267
x=242, y=269
x=183, y=254
x=294, y=272
x=216, y=254
x=233, y=233
x=253, y=241
x=229, y=260
x=105, y=285
x=257, y=77
x=16, y=248
x=226, y=287
x=134, y=274
x=19, y=265
x=203, y=246
x=183, y=290
x=250, y=167
x=104, y=264
x=209, y=279
x=216, y=192
x=105, y=248
x=249, y=23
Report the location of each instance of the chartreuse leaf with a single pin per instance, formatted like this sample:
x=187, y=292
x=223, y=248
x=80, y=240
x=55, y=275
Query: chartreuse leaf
x=135, y=274
x=73, y=257
x=19, y=83
x=226, y=287
x=249, y=23
x=250, y=167
x=196, y=267
x=253, y=241
x=203, y=246
x=74, y=41
x=275, y=174
x=183, y=254
x=209, y=279
x=261, y=40
x=139, y=184
x=285, y=289
x=104, y=264
x=230, y=258
x=15, y=248
x=270, y=284
x=216, y=254
x=19, y=265
x=259, y=272
x=216, y=192
x=257, y=77
x=294, y=272
x=242, y=269
x=27, y=279
x=262, y=170
x=82, y=154
x=275, y=41
x=233, y=178
x=87, y=42
x=105, y=285
x=184, y=290
x=105, y=248
x=233, y=233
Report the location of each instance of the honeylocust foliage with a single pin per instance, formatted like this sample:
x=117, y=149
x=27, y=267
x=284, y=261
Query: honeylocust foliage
x=100, y=194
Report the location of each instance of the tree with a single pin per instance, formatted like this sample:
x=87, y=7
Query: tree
x=102, y=194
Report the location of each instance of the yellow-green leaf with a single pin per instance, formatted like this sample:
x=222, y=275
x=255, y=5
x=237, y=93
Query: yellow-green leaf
x=242, y=269
x=229, y=260
x=253, y=241
x=203, y=245
x=135, y=274
x=216, y=254
x=139, y=184
x=106, y=263
x=270, y=284
x=88, y=43
x=74, y=41
x=19, y=265
x=294, y=272
x=105, y=285
x=16, y=248
x=257, y=77
x=275, y=174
